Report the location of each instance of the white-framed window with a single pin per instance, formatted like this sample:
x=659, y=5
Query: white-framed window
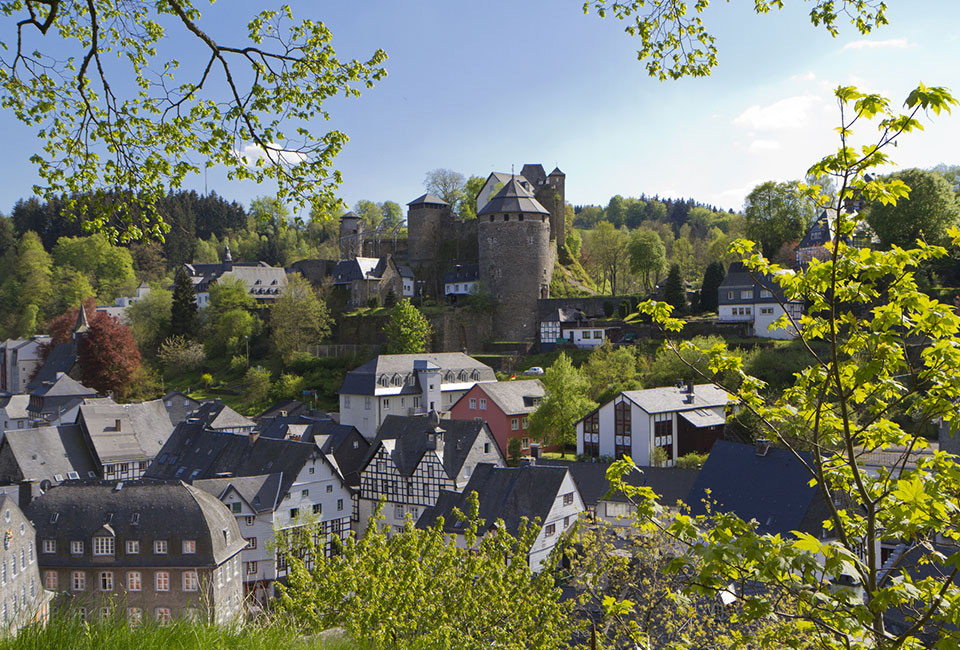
x=730, y=295
x=386, y=404
x=189, y=546
x=104, y=545
x=49, y=546
x=251, y=542
x=134, y=581
x=106, y=581
x=367, y=403
x=473, y=403
x=339, y=505
x=568, y=499
x=746, y=294
x=161, y=581
x=483, y=404
x=250, y=520
x=190, y=581
x=524, y=442
x=76, y=547
x=251, y=568
x=79, y=581
x=160, y=547
x=346, y=401
x=162, y=615
x=550, y=530
x=50, y=580
x=236, y=507
x=134, y=615
x=514, y=424
x=133, y=547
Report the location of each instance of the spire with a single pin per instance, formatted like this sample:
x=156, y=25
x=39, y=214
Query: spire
x=82, y=323
x=227, y=258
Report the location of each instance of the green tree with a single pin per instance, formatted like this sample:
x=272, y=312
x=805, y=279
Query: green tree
x=407, y=331
x=468, y=203
x=183, y=309
x=205, y=252
x=392, y=213
x=648, y=256
x=574, y=241
x=616, y=211
x=27, y=324
x=887, y=367
x=34, y=273
x=777, y=213
x=229, y=318
x=712, y=279
x=927, y=214
x=71, y=287
x=608, y=248
x=370, y=212
x=674, y=290
x=110, y=267
x=256, y=383
x=438, y=595
x=149, y=319
x=565, y=402
x=610, y=369
x=298, y=317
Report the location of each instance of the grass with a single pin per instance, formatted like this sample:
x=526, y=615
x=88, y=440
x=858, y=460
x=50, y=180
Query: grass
x=69, y=633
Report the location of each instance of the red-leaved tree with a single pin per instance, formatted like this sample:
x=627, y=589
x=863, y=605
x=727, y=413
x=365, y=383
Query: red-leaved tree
x=108, y=355
x=60, y=328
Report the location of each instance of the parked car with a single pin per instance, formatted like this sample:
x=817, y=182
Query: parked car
x=534, y=370
x=630, y=338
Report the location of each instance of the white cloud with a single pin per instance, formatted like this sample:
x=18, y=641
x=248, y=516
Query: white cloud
x=251, y=153
x=806, y=76
x=894, y=43
x=758, y=146
x=788, y=113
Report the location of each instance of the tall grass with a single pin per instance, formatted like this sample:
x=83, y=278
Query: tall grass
x=69, y=633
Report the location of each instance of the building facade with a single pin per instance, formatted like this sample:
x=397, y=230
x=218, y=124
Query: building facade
x=23, y=598
x=505, y=406
x=756, y=300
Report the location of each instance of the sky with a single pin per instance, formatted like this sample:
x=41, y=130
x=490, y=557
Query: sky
x=481, y=87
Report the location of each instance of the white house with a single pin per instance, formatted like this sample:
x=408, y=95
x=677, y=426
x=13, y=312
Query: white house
x=538, y=493
x=679, y=420
x=760, y=301
x=461, y=280
x=19, y=360
x=407, y=384
x=568, y=325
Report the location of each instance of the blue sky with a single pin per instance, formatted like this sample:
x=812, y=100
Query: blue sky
x=478, y=87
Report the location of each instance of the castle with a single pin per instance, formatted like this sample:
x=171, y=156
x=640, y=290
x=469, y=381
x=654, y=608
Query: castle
x=513, y=240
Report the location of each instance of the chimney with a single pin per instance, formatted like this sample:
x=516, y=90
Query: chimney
x=116, y=424
x=690, y=386
x=534, y=452
x=252, y=436
x=762, y=446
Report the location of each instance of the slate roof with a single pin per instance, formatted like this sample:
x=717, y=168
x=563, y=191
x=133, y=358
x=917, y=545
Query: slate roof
x=670, y=483
x=165, y=509
x=360, y=268
x=738, y=277
x=534, y=173
x=43, y=453
x=62, y=358
x=144, y=428
x=217, y=415
x=565, y=315
x=429, y=199
x=772, y=489
x=406, y=437
x=179, y=406
x=285, y=426
x=262, y=280
x=462, y=273
x=513, y=198
x=405, y=271
x=363, y=379
x=283, y=407
x=345, y=444
x=671, y=398
x=506, y=493
x=261, y=492
x=514, y=397
x=63, y=386
x=15, y=406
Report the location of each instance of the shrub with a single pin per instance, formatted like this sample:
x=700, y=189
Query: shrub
x=256, y=384
x=206, y=379
x=608, y=308
x=238, y=364
x=288, y=387
x=180, y=355
x=513, y=449
x=691, y=461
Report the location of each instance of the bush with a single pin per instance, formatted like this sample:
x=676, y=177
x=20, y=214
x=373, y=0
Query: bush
x=206, y=379
x=238, y=364
x=691, y=461
x=658, y=457
x=288, y=387
x=180, y=355
x=513, y=449
x=256, y=384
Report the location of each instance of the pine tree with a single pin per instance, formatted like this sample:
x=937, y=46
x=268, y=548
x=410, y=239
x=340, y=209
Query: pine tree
x=712, y=279
x=183, y=313
x=674, y=292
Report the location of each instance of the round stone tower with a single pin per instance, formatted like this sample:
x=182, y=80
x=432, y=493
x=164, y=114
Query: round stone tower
x=516, y=259
x=425, y=218
x=351, y=236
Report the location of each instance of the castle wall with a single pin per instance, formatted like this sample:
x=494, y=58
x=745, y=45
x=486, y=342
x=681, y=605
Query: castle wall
x=425, y=226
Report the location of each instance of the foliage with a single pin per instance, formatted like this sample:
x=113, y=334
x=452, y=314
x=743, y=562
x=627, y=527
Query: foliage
x=108, y=355
x=117, y=154
x=229, y=320
x=446, y=184
x=206, y=379
x=514, y=449
x=929, y=211
x=692, y=460
x=110, y=267
x=180, y=355
x=256, y=384
x=573, y=241
x=415, y=589
x=608, y=250
x=609, y=369
x=149, y=319
x=34, y=273
x=239, y=363
x=777, y=213
x=298, y=317
x=690, y=362
x=183, y=308
x=675, y=43
x=564, y=403
x=60, y=328
x=648, y=256
x=407, y=331
x=288, y=386
x=709, y=290
x=889, y=365
x=674, y=291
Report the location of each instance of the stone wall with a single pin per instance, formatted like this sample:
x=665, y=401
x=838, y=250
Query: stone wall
x=452, y=331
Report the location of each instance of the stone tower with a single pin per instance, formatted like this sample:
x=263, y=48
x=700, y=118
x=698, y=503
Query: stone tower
x=516, y=258
x=553, y=198
x=351, y=236
x=426, y=216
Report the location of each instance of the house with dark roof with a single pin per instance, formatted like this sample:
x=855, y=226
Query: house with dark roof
x=763, y=483
x=13, y=411
x=760, y=301
x=19, y=360
x=461, y=281
x=162, y=550
x=820, y=233
x=309, y=488
x=24, y=598
x=368, y=279
x=567, y=325
x=51, y=400
x=124, y=439
x=62, y=358
x=414, y=458
x=263, y=282
x=179, y=406
x=218, y=416
x=407, y=384
x=677, y=420
x=513, y=495
x=505, y=406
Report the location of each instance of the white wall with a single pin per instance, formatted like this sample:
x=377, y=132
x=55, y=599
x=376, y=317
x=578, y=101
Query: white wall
x=562, y=517
x=763, y=320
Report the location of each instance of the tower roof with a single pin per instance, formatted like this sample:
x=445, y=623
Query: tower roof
x=556, y=172
x=429, y=199
x=513, y=198
x=82, y=323
x=350, y=215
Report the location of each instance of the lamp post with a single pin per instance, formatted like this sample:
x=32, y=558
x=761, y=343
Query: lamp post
x=246, y=338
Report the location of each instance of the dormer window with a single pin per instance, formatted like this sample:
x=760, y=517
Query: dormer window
x=103, y=545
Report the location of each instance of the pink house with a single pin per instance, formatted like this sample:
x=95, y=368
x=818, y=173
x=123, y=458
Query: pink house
x=505, y=406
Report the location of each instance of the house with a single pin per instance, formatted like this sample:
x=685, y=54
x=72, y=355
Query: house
x=756, y=300
x=62, y=357
x=505, y=406
x=23, y=596
x=461, y=281
x=158, y=549
x=13, y=411
x=37, y=458
x=218, y=416
x=369, y=280
x=53, y=399
x=533, y=493
x=676, y=419
x=414, y=458
x=763, y=483
x=409, y=281
x=407, y=384
x=264, y=283
x=124, y=439
x=19, y=360
x=310, y=490
x=571, y=326
x=119, y=307
x=813, y=245
x=179, y=406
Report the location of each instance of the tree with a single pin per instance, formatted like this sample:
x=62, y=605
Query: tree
x=228, y=317
x=445, y=184
x=608, y=370
x=565, y=402
x=437, y=595
x=674, y=291
x=370, y=212
x=110, y=267
x=467, y=209
x=883, y=365
x=179, y=355
x=392, y=213
x=183, y=308
x=101, y=143
x=648, y=256
x=927, y=214
x=616, y=211
x=407, y=331
x=108, y=356
x=298, y=317
x=34, y=272
x=608, y=249
x=777, y=213
x=712, y=279
x=149, y=319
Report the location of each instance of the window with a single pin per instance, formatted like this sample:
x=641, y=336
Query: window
x=663, y=433
x=134, y=615
x=486, y=447
x=591, y=435
x=50, y=580
x=79, y=582
x=3, y=573
x=525, y=443
x=305, y=493
x=514, y=424
x=329, y=489
x=764, y=293
x=346, y=401
x=339, y=505
x=189, y=546
x=133, y=547
x=524, y=423
x=161, y=581
x=622, y=430
x=103, y=546
x=190, y=581
x=568, y=499
x=483, y=404
x=133, y=581
x=251, y=568
x=730, y=295
x=367, y=403
x=251, y=542
x=106, y=581
x=550, y=530
x=160, y=547
x=235, y=507
x=294, y=512
x=163, y=615
x=317, y=508
x=250, y=520
x=473, y=403
x=76, y=547
x=49, y=546
x=386, y=404
x=746, y=294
